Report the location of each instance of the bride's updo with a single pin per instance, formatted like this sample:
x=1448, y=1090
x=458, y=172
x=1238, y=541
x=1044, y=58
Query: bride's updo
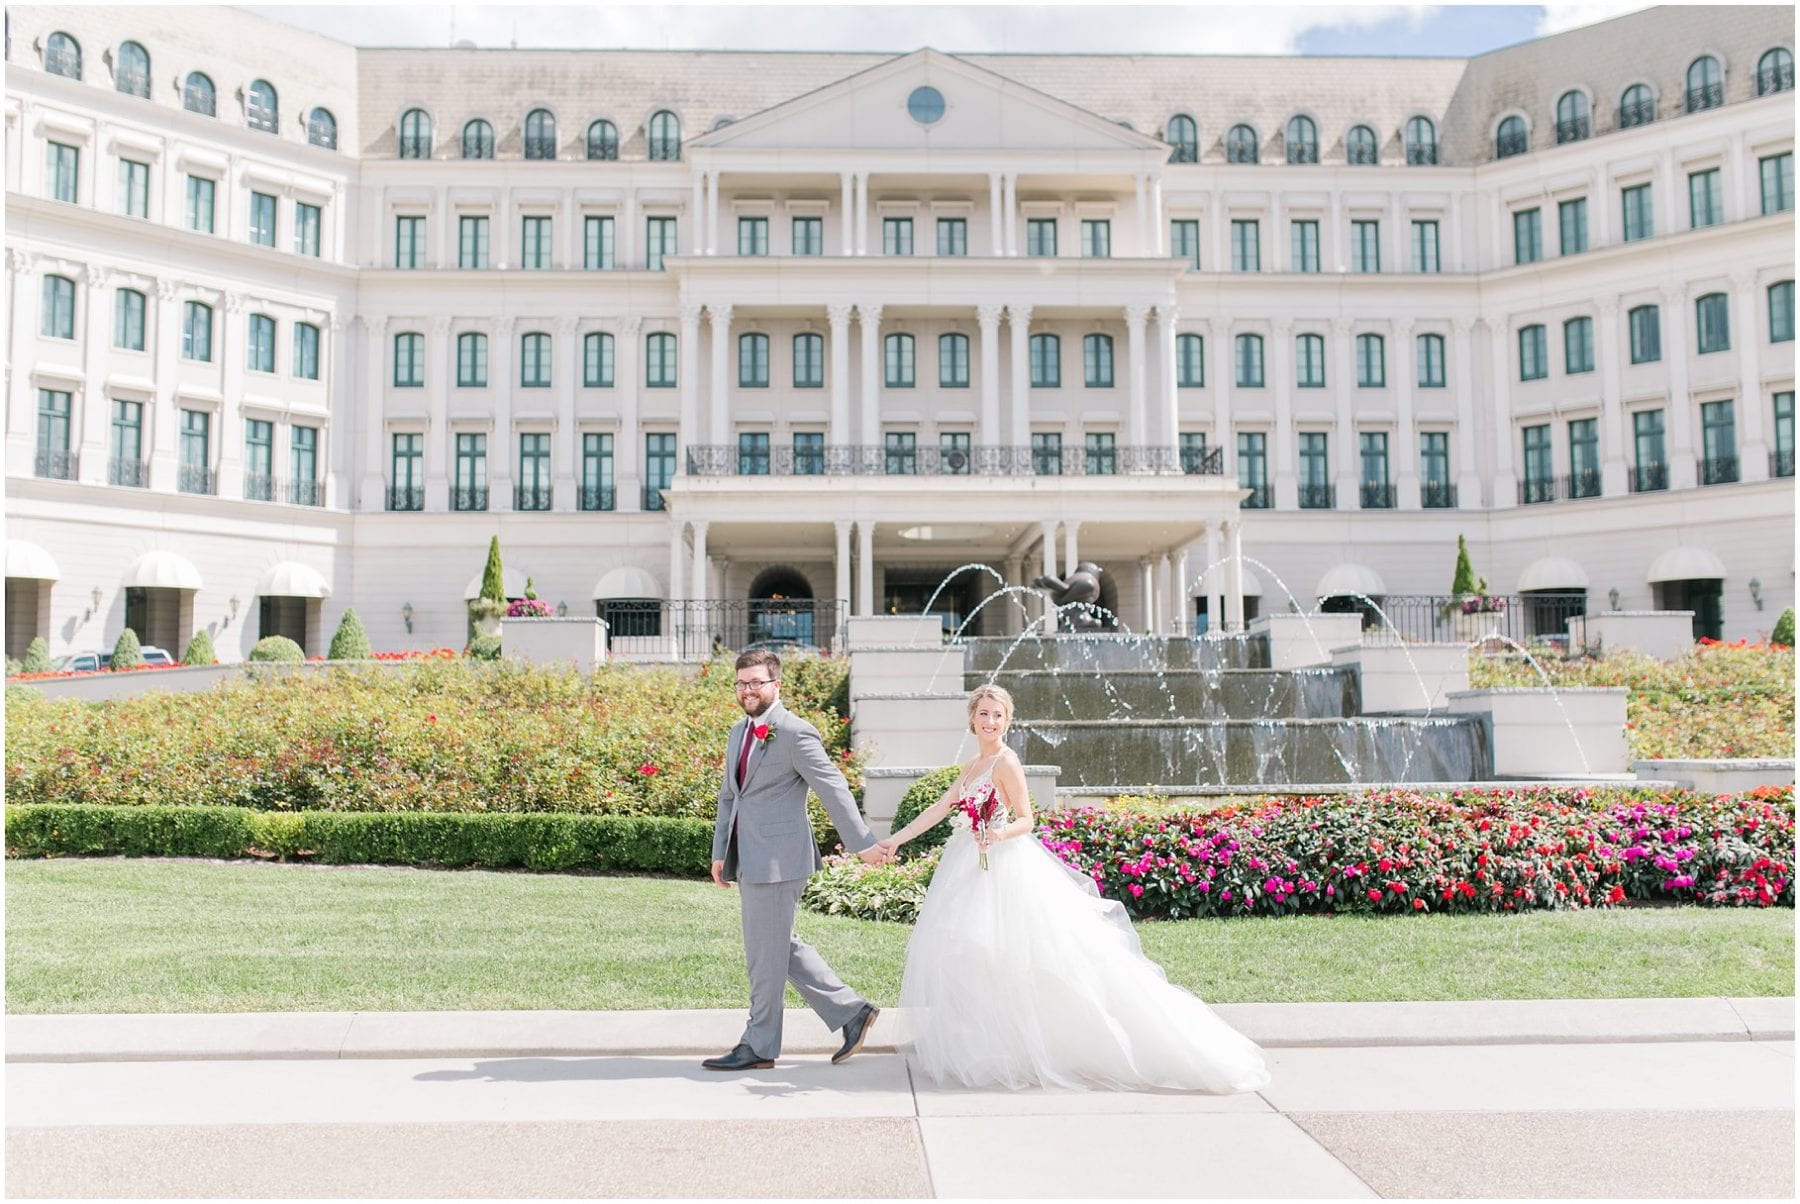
x=999, y=695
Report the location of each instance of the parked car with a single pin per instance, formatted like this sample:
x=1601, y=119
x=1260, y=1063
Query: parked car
x=93, y=662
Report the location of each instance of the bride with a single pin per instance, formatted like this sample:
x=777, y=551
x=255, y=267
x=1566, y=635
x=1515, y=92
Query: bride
x=1019, y=974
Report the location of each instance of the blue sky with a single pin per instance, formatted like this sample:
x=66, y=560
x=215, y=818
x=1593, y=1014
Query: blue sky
x=1450, y=30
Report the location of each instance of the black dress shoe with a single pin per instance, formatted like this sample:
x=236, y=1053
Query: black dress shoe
x=741, y=1058
x=856, y=1032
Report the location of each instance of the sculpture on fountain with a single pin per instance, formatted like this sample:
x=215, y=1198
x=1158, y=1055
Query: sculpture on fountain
x=1084, y=587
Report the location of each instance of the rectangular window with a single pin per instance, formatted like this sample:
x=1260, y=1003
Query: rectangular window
x=472, y=243
x=597, y=472
x=134, y=188
x=1253, y=468
x=1249, y=361
x=1640, y=219
x=306, y=229
x=200, y=192
x=53, y=459
x=1096, y=238
x=809, y=361
x=1097, y=361
x=1040, y=237
x=1584, y=458
x=1539, y=484
x=1646, y=334
x=259, y=460
x=1365, y=246
x=659, y=361
x=469, y=488
x=659, y=241
x=534, y=472
x=952, y=236
x=1430, y=350
x=1528, y=237
x=409, y=361
x=262, y=344
x=1434, y=469
x=196, y=452
x=809, y=236
x=899, y=365
x=303, y=462
x=409, y=242
x=659, y=468
x=896, y=236
x=535, y=243
x=1781, y=459
x=1309, y=361
x=127, y=467
x=1651, y=470
x=262, y=219
x=1718, y=443
x=471, y=361
x=306, y=351
x=809, y=453
x=1046, y=361
x=1777, y=182
x=1571, y=221
x=1315, y=471
x=196, y=332
x=128, y=320
x=1102, y=454
x=753, y=236
x=1377, y=492
x=953, y=361
x=1371, y=361
x=65, y=172
x=953, y=453
x=406, y=488
x=1578, y=345
x=902, y=454
x=1046, y=454
x=597, y=360
x=1246, y=246
x=1304, y=239
x=1712, y=323
x=1184, y=241
x=1425, y=256
x=1781, y=312
x=1534, y=355
x=1706, y=199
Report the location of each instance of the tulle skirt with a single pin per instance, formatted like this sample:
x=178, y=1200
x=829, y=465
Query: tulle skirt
x=1021, y=975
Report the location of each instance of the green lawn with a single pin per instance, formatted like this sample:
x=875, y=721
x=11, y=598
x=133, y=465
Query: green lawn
x=175, y=936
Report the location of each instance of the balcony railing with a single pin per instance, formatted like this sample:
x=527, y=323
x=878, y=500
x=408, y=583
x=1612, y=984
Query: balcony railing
x=1719, y=470
x=1422, y=154
x=1261, y=498
x=531, y=497
x=1437, y=495
x=540, y=148
x=1317, y=497
x=134, y=473
x=596, y=497
x=1775, y=79
x=1303, y=152
x=56, y=465
x=699, y=629
x=1376, y=495
x=1198, y=461
x=1707, y=96
x=1362, y=154
x=304, y=491
x=1585, y=483
x=720, y=460
x=1648, y=478
x=1441, y=618
x=259, y=487
x=469, y=497
x=1638, y=112
x=1781, y=462
x=415, y=147
x=1508, y=145
x=653, y=498
x=1573, y=130
x=405, y=497
x=196, y=478
x=1533, y=490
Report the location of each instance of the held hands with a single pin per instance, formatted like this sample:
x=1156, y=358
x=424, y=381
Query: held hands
x=879, y=853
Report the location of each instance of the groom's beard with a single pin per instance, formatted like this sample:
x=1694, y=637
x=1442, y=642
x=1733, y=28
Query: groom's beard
x=759, y=706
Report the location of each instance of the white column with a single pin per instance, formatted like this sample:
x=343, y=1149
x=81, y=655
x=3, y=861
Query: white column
x=869, y=430
x=503, y=380
x=712, y=213
x=1071, y=556
x=1010, y=200
x=699, y=210
x=25, y=288
x=1159, y=228
x=1502, y=339
x=1019, y=318
x=628, y=444
x=1402, y=367
x=1138, y=430
x=374, y=360
x=865, y=567
x=1147, y=591
x=689, y=383
x=847, y=216
x=165, y=451
x=719, y=404
x=1143, y=240
x=1679, y=445
x=838, y=315
x=862, y=213
x=1168, y=613
x=1285, y=483
x=841, y=561
x=1753, y=445
x=1234, y=575
x=676, y=587
x=988, y=432
x=1468, y=475
x=697, y=579
x=1183, y=612
x=441, y=371
x=1343, y=458
x=1612, y=420
x=1167, y=420
x=996, y=215
x=626, y=236
x=1011, y=621
x=563, y=439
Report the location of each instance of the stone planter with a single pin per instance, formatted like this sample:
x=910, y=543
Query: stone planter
x=1543, y=733
x=1406, y=678
x=893, y=631
x=1474, y=626
x=914, y=669
x=1663, y=634
x=912, y=728
x=1299, y=641
x=577, y=641
x=1722, y=775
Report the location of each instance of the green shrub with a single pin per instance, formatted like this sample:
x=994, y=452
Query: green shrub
x=200, y=651
x=277, y=648
x=13, y=667
x=127, y=653
x=922, y=794
x=1462, y=582
x=1784, y=629
x=493, y=581
x=351, y=643
x=37, y=656
x=485, y=648
x=848, y=887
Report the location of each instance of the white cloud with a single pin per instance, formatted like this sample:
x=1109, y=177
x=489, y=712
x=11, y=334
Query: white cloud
x=1559, y=17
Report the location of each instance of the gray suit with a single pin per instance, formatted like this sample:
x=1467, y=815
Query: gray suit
x=764, y=839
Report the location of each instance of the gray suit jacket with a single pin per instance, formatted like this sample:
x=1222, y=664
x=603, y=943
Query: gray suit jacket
x=774, y=840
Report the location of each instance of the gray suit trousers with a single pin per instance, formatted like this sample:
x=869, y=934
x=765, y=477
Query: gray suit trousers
x=775, y=956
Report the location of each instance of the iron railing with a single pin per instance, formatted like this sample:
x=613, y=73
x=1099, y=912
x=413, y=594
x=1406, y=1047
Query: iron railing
x=1376, y=495
x=1719, y=470
x=56, y=465
x=405, y=497
x=1706, y=96
x=305, y=491
x=1573, y=130
x=653, y=498
x=1775, y=79
x=469, y=498
x=540, y=147
x=1422, y=154
x=1781, y=462
x=1303, y=152
x=415, y=146
x=1260, y=497
x=1533, y=490
x=1437, y=495
x=1648, y=478
x=1638, y=112
x=596, y=497
x=532, y=497
x=135, y=473
x=259, y=487
x=1585, y=483
x=722, y=460
x=1444, y=618
x=1317, y=497
x=701, y=628
x=1362, y=154
x=195, y=478
x=1508, y=145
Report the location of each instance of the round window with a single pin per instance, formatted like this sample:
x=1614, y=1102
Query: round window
x=926, y=105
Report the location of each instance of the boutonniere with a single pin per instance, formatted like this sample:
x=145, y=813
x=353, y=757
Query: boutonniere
x=764, y=732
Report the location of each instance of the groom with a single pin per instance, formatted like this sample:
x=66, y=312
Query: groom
x=764, y=842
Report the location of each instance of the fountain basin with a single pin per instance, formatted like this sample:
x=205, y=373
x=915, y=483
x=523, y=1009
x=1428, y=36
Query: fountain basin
x=1108, y=653
x=1131, y=694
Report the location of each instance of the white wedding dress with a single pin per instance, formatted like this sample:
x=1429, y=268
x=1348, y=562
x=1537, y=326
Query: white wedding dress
x=1021, y=975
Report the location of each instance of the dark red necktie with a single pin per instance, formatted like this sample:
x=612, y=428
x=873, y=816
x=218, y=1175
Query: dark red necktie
x=744, y=757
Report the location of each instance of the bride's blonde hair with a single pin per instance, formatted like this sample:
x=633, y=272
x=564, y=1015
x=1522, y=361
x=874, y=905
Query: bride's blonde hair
x=999, y=695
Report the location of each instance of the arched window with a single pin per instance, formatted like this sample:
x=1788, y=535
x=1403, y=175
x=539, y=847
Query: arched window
x=1190, y=361
x=199, y=96
x=1636, y=107
x=478, y=140
x=603, y=140
x=321, y=129
x=1302, y=140
x=196, y=332
x=133, y=74
x=1046, y=361
x=1240, y=145
x=415, y=134
x=409, y=360
x=1571, y=117
x=1511, y=139
x=1429, y=350
x=62, y=56
x=471, y=361
x=1249, y=361
x=540, y=134
x=665, y=137
x=1644, y=324
x=1775, y=72
x=1712, y=323
x=1421, y=142
x=898, y=350
x=1705, y=84
x=1097, y=361
x=659, y=360
x=1534, y=352
x=753, y=361
x=597, y=360
x=953, y=361
x=1781, y=312
x=261, y=346
x=1309, y=361
x=809, y=361
x=534, y=360
x=1185, y=138
x=261, y=109
x=1371, y=361
x=1361, y=147
x=128, y=320
x=59, y=308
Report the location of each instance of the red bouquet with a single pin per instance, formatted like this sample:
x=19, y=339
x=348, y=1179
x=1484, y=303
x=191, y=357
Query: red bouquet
x=981, y=807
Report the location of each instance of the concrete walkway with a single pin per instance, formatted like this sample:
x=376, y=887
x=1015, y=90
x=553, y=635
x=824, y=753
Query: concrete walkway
x=1621, y=1098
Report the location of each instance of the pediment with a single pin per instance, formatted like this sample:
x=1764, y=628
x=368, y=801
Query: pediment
x=982, y=110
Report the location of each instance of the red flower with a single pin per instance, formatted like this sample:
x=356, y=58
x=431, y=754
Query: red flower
x=1418, y=905
x=760, y=731
x=648, y=769
x=1374, y=896
x=431, y=719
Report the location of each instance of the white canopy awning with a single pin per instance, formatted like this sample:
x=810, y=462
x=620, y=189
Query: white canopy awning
x=162, y=570
x=290, y=579
x=627, y=581
x=1348, y=579
x=1553, y=572
x=28, y=560
x=1213, y=582
x=511, y=580
x=1686, y=564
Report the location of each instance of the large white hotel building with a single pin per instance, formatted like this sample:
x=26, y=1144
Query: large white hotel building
x=296, y=326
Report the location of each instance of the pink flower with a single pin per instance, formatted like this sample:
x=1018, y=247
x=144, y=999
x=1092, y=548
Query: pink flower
x=649, y=770
x=1137, y=892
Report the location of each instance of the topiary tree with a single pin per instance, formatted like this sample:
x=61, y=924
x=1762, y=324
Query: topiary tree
x=1463, y=583
x=13, y=667
x=37, y=655
x=493, y=581
x=485, y=648
x=923, y=793
x=529, y=591
x=1783, y=633
x=200, y=651
x=277, y=648
x=351, y=643
x=127, y=653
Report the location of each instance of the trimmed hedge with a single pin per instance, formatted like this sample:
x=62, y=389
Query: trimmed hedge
x=277, y=648
x=128, y=653
x=919, y=797
x=494, y=841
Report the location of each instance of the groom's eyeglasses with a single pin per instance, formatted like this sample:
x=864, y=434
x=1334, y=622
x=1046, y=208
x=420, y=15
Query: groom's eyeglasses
x=754, y=687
